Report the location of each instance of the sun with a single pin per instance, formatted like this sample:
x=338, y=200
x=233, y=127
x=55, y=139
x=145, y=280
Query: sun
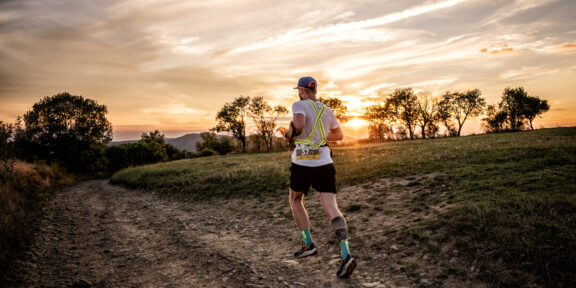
x=356, y=123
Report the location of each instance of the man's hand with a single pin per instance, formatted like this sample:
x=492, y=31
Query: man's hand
x=291, y=132
x=282, y=131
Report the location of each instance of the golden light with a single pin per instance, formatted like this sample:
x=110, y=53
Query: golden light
x=356, y=123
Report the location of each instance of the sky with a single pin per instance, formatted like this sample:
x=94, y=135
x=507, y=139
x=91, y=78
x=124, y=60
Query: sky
x=171, y=65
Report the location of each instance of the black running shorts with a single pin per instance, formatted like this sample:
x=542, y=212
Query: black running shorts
x=322, y=178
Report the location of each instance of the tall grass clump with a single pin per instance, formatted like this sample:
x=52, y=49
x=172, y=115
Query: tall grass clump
x=23, y=190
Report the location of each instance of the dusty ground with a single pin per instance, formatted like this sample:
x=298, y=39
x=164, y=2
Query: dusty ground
x=99, y=235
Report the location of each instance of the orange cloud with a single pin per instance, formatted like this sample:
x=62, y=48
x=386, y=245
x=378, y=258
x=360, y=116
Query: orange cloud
x=503, y=49
x=568, y=46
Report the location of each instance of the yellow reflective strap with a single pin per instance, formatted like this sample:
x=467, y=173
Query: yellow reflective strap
x=317, y=124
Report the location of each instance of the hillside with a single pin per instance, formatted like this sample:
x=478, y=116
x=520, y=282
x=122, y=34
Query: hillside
x=186, y=142
x=499, y=208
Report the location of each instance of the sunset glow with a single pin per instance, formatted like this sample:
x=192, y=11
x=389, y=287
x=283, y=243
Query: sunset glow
x=172, y=65
x=356, y=123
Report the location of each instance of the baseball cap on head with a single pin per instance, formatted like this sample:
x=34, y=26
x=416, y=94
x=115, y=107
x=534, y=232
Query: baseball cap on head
x=307, y=82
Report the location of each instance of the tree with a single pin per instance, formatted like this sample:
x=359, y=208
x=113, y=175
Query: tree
x=513, y=103
x=514, y=109
x=155, y=144
x=66, y=125
x=210, y=141
x=154, y=136
x=533, y=107
x=495, y=120
x=403, y=105
x=427, y=107
x=379, y=116
x=5, y=133
x=232, y=119
x=265, y=117
x=338, y=108
x=460, y=106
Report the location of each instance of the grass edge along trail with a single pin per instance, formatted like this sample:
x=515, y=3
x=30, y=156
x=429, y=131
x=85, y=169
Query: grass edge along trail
x=513, y=194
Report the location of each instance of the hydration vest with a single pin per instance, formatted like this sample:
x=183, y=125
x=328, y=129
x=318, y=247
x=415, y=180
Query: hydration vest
x=317, y=124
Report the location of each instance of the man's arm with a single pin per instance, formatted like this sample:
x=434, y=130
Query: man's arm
x=296, y=126
x=299, y=120
x=335, y=134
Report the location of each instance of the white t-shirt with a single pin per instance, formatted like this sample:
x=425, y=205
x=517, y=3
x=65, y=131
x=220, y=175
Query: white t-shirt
x=328, y=120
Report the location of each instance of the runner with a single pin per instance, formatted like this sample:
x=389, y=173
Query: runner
x=313, y=124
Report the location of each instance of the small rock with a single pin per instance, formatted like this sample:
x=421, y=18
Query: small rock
x=374, y=284
x=291, y=262
x=327, y=284
x=394, y=247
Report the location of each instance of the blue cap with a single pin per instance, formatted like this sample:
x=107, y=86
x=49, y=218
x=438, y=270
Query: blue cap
x=307, y=82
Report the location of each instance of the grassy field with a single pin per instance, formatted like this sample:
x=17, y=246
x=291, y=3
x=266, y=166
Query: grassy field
x=513, y=195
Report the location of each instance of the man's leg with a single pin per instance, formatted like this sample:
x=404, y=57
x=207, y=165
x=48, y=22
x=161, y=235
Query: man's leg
x=338, y=222
x=303, y=222
x=298, y=210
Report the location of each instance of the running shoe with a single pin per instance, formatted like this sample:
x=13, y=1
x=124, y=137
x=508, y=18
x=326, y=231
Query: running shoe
x=306, y=251
x=347, y=266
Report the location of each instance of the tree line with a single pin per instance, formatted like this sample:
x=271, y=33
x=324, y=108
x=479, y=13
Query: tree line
x=404, y=113
x=73, y=131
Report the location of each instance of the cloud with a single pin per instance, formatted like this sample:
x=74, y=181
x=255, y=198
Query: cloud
x=374, y=89
x=339, y=29
x=571, y=47
x=527, y=72
x=497, y=50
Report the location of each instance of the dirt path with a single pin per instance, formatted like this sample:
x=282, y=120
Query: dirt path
x=99, y=235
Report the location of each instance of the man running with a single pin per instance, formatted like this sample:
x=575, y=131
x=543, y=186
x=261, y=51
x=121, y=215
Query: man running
x=313, y=124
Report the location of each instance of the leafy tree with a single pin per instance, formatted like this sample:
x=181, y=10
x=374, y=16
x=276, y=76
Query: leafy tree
x=256, y=142
x=403, y=105
x=338, y=108
x=495, y=120
x=6, y=152
x=265, y=117
x=460, y=106
x=232, y=119
x=66, y=125
x=512, y=103
x=514, y=109
x=5, y=133
x=210, y=140
x=154, y=136
x=445, y=117
x=155, y=143
x=427, y=108
x=533, y=107
x=379, y=116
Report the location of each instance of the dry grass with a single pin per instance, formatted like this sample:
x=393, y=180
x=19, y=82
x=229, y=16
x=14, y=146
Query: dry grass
x=26, y=187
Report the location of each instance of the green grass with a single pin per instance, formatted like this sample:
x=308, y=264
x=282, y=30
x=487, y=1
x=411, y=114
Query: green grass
x=514, y=194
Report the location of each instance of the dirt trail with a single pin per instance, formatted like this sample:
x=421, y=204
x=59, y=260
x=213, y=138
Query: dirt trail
x=99, y=235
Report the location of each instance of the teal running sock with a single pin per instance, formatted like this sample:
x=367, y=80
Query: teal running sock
x=306, y=237
x=344, y=249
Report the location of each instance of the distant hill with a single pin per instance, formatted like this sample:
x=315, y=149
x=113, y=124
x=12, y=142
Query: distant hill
x=186, y=142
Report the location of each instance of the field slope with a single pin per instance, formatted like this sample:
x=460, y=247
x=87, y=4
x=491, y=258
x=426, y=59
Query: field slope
x=502, y=205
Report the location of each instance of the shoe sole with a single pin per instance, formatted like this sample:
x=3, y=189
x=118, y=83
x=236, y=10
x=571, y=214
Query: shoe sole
x=308, y=253
x=349, y=268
